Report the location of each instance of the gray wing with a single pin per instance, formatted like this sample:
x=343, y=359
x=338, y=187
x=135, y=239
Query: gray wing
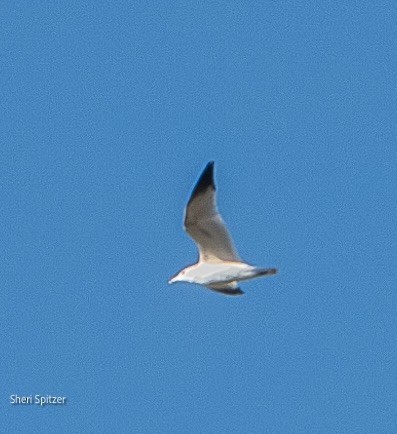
x=227, y=288
x=204, y=223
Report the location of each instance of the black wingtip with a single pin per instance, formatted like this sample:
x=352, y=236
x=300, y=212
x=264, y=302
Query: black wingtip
x=232, y=292
x=206, y=180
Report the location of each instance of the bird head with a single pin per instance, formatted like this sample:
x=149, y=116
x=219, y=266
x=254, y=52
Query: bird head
x=179, y=277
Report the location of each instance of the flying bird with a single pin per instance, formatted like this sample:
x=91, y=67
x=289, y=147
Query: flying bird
x=219, y=267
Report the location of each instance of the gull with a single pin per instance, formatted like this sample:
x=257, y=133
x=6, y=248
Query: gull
x=219, y=267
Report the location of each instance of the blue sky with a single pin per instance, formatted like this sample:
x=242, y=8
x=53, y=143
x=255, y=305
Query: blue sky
x=109, y=113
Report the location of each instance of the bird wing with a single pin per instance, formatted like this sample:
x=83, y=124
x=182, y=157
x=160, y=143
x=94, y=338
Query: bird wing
x=226, y=288
x=204, y=223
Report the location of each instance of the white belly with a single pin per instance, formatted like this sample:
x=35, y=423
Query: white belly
x=212, y=273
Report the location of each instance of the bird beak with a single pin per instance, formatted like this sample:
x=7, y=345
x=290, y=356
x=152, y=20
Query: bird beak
x=171, y=281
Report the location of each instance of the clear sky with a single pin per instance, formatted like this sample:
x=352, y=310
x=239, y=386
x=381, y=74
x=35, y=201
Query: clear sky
x=109, y=113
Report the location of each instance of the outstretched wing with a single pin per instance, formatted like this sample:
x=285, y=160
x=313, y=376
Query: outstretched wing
x=204, y=223
x=226, y=288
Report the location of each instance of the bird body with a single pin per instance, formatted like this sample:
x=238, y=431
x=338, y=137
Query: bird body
x=219, y=267
x=220, y=275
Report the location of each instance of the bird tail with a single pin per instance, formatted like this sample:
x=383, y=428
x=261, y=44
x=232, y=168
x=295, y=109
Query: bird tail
x=266, y=271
